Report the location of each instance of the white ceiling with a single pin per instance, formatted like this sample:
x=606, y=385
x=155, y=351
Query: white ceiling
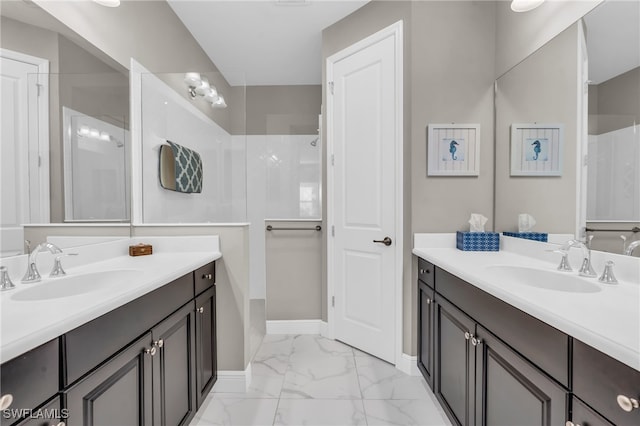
x=613, y=39
x=265, y=42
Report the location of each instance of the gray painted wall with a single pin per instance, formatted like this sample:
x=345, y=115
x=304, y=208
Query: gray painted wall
x=615, y=104
x=543, y=89
x=283, y=110
x=294, y=272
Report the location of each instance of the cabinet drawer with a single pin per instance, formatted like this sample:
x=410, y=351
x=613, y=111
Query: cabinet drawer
x=426, y=272
x=32, y=378
x=204, y=277
x=543, y=345
x=89, y=345
x=48, y=415
x=598, y=379
x=583, y=415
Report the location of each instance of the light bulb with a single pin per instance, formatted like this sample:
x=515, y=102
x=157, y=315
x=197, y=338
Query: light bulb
x=211, y=95
x=203, y=87
x=108, y=3
x=525, y=5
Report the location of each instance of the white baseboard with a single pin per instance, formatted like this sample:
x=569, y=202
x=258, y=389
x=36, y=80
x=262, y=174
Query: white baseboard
x=233, y=381
x=409, y=365
x=297, y=327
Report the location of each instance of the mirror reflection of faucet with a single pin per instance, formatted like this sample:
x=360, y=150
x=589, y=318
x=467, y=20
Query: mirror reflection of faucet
x=631, y=247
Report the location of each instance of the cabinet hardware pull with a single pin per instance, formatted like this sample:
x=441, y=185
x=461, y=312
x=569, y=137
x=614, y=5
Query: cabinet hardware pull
x=200, y=310
x=151, y=351
x=60, y=424
x=468, y=335
x=386, y=241
x=425, y=271
x=428, y=301
x=570, y=423
x=207, y=276
x=158, y=343
x=476, y=342
x=5, y=401
x=626, y=403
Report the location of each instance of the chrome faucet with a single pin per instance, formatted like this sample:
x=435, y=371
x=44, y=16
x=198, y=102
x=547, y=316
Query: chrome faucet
x=631, y=247
x=32, y=275
x=586, y=270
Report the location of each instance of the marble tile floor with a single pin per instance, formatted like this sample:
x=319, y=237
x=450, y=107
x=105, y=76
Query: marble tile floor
x=310, y=380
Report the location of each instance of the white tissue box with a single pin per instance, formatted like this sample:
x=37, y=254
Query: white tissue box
x=478, y=241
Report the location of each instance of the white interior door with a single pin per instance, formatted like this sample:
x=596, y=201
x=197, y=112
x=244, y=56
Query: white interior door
x=364, y=134
x=24, y=142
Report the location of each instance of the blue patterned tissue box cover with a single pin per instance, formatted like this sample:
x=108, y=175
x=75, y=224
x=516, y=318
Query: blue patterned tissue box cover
x=478, y=241
x=535, y=236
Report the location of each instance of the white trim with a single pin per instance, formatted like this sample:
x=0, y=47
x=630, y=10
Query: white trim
x=395, y=30
x=233, y=381
x=297, y=327
x=44, y=213
x=582, y=141
x=135, y=110
x=409, y=365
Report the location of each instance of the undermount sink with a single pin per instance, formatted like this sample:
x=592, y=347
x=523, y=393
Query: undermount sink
x=74, y=285
x=541, y=278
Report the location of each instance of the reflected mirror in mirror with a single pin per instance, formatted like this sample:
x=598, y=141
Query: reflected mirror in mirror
x=48, y=173
x=613, y=188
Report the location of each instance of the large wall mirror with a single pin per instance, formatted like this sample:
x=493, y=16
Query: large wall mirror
x=599, y=185
x=65, y=127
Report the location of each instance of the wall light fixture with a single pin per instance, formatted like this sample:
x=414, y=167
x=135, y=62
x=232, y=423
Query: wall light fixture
x=200, y=86
x=525, y=5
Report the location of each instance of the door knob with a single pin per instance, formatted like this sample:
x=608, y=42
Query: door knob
x=626, y=403
x=386, y=241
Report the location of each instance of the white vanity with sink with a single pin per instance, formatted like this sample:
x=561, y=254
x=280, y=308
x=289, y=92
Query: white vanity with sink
x=506, y=338
x=115, y=326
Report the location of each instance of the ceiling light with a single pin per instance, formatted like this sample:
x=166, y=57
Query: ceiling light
x=108, y=3
x=219, y=103
x=525, y=5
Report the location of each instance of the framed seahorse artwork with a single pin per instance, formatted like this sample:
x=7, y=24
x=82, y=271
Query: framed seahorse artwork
x=453, y=149
x=536, y=149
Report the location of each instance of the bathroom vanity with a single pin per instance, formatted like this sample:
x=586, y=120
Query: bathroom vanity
x=493, y=355
x=150, y=360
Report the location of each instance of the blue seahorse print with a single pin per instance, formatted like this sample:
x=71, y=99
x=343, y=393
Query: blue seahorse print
x=453, y=149
x=536, y=149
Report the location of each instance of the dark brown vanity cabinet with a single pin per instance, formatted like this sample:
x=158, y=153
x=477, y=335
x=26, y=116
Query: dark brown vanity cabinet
x=149, y=362
x=426, y=316
x=482, y=377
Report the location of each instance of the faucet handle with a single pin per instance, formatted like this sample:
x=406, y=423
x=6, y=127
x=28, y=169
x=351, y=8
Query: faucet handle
x=5, y=279
x=564, y=262
x=586, y=270
x=57, y=270
x=607, y=276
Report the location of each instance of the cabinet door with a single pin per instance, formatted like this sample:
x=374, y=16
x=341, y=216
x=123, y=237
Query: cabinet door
x=455, y=363
x=174, y=391
x=511, y=391
x=205, y=344
x=583, y=415
x=426, y=314
x=117, y=393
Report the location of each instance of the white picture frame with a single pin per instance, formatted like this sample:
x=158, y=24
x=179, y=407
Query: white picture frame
x=453, y=149
x=537, y=149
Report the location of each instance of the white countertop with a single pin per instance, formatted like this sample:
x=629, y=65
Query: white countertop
x=608, y=320
x=25, y=325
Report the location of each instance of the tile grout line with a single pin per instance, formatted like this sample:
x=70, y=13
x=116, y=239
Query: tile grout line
x=364, y=410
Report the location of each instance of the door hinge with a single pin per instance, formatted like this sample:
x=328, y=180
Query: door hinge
x=333, y=160
x=331, y=87
x=585, y=161
x=333, y=231
x=333, y=301
x=39, y=89
x=39, y=161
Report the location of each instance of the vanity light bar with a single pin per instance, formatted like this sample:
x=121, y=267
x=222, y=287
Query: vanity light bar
x=200, y=86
